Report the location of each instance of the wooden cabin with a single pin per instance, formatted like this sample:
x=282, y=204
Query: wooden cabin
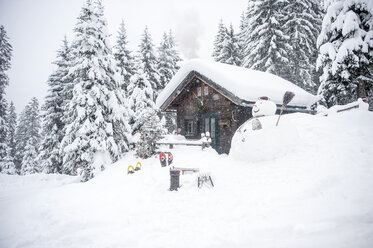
x=204, y=95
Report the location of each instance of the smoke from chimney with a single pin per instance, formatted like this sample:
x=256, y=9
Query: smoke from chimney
x=188, y=31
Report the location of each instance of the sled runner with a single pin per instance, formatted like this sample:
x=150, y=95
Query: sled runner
x=205, y=180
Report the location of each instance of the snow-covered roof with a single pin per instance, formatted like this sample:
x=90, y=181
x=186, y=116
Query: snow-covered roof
x=246, y=84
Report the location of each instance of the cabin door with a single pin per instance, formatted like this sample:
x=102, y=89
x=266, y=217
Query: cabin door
x=210, y=124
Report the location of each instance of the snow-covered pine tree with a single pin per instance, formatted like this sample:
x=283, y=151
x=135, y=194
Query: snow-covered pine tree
x=53, y=125
x=8, y=166
x=168, y=65
x=124, y=58
x=267, y=44
x=28, y=137
x=147, y=61
x=3, y=132
x=120, y=112
x=165, y=62
x=95, y=110
x=151, y=131
x=11, y=122
x=219, y=40
x=241, y=38
x=246, y=33
x=5, y=57
x=141, y=99
x=302, y=25
x=230, y=51
x=173, y=52
x=29, y=163
x=345, y=51
x=20, y=138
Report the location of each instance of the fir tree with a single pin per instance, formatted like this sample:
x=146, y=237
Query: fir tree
x=230, y=51
x=28, y=138
x=241, y=38
x=95, y=110
x=29, y=163
x=53, y=126
x=20, y=138
x=147, y=61
x=151, y=132
x=345, y=52
x=173, y=53
x=3, y=131
x=125, y=61
x=11, y=122
x=141, y=101
x=7, y=165
x=12, y=125
x=5, y=57
x=302, y=25
x=267, y=43
x=219, y=40
x=165, y=62
x=119, y=110
x=168, y=59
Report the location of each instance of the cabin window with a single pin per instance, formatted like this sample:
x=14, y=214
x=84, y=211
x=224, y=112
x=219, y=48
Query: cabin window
x=199, y=91
x=189, y=127
x=205, y=90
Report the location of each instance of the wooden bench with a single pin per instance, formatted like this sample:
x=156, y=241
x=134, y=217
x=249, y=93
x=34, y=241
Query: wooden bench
x=172, y=144
x=183, y=170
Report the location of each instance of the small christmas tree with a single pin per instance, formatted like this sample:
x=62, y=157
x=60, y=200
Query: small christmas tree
x=150, y=133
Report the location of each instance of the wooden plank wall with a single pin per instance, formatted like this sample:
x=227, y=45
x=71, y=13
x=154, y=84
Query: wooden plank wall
x=230, y=116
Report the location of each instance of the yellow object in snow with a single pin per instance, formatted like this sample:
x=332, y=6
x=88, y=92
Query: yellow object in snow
x=130, y=171
x=138, y=166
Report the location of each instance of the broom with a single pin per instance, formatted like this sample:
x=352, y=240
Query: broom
x=288, y=96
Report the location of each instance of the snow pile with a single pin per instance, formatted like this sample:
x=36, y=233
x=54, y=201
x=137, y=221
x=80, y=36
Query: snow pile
x=244, y=83
x=172, y=138
x=268, y=143
x=359, y=104
x=180, y=139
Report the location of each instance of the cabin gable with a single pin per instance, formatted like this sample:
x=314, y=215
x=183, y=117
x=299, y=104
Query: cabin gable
x=201, y=108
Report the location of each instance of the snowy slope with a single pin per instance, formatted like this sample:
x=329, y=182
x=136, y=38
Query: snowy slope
x=244, y=83
x=318, y=195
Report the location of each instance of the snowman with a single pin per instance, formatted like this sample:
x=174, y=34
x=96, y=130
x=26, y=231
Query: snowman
x=262, y=107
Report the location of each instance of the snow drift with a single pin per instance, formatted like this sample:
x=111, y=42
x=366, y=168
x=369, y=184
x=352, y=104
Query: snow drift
x=268, y=143
x=318, y=195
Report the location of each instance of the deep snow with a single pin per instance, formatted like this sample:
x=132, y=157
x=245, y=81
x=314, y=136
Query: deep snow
x=318, y=195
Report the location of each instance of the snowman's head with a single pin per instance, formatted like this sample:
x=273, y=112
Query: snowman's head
x=264, y=107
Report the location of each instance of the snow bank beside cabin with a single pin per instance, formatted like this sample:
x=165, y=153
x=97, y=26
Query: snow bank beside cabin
x=318, y=195
x=268, y=143
x=244, y=83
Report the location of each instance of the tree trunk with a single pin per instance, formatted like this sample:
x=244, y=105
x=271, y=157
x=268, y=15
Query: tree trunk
x=361, y=89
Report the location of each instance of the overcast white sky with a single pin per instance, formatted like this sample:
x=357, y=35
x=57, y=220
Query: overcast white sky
x=36, y=28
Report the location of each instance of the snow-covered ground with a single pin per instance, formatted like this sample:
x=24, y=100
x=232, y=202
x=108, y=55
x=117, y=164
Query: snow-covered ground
x=319, y=194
